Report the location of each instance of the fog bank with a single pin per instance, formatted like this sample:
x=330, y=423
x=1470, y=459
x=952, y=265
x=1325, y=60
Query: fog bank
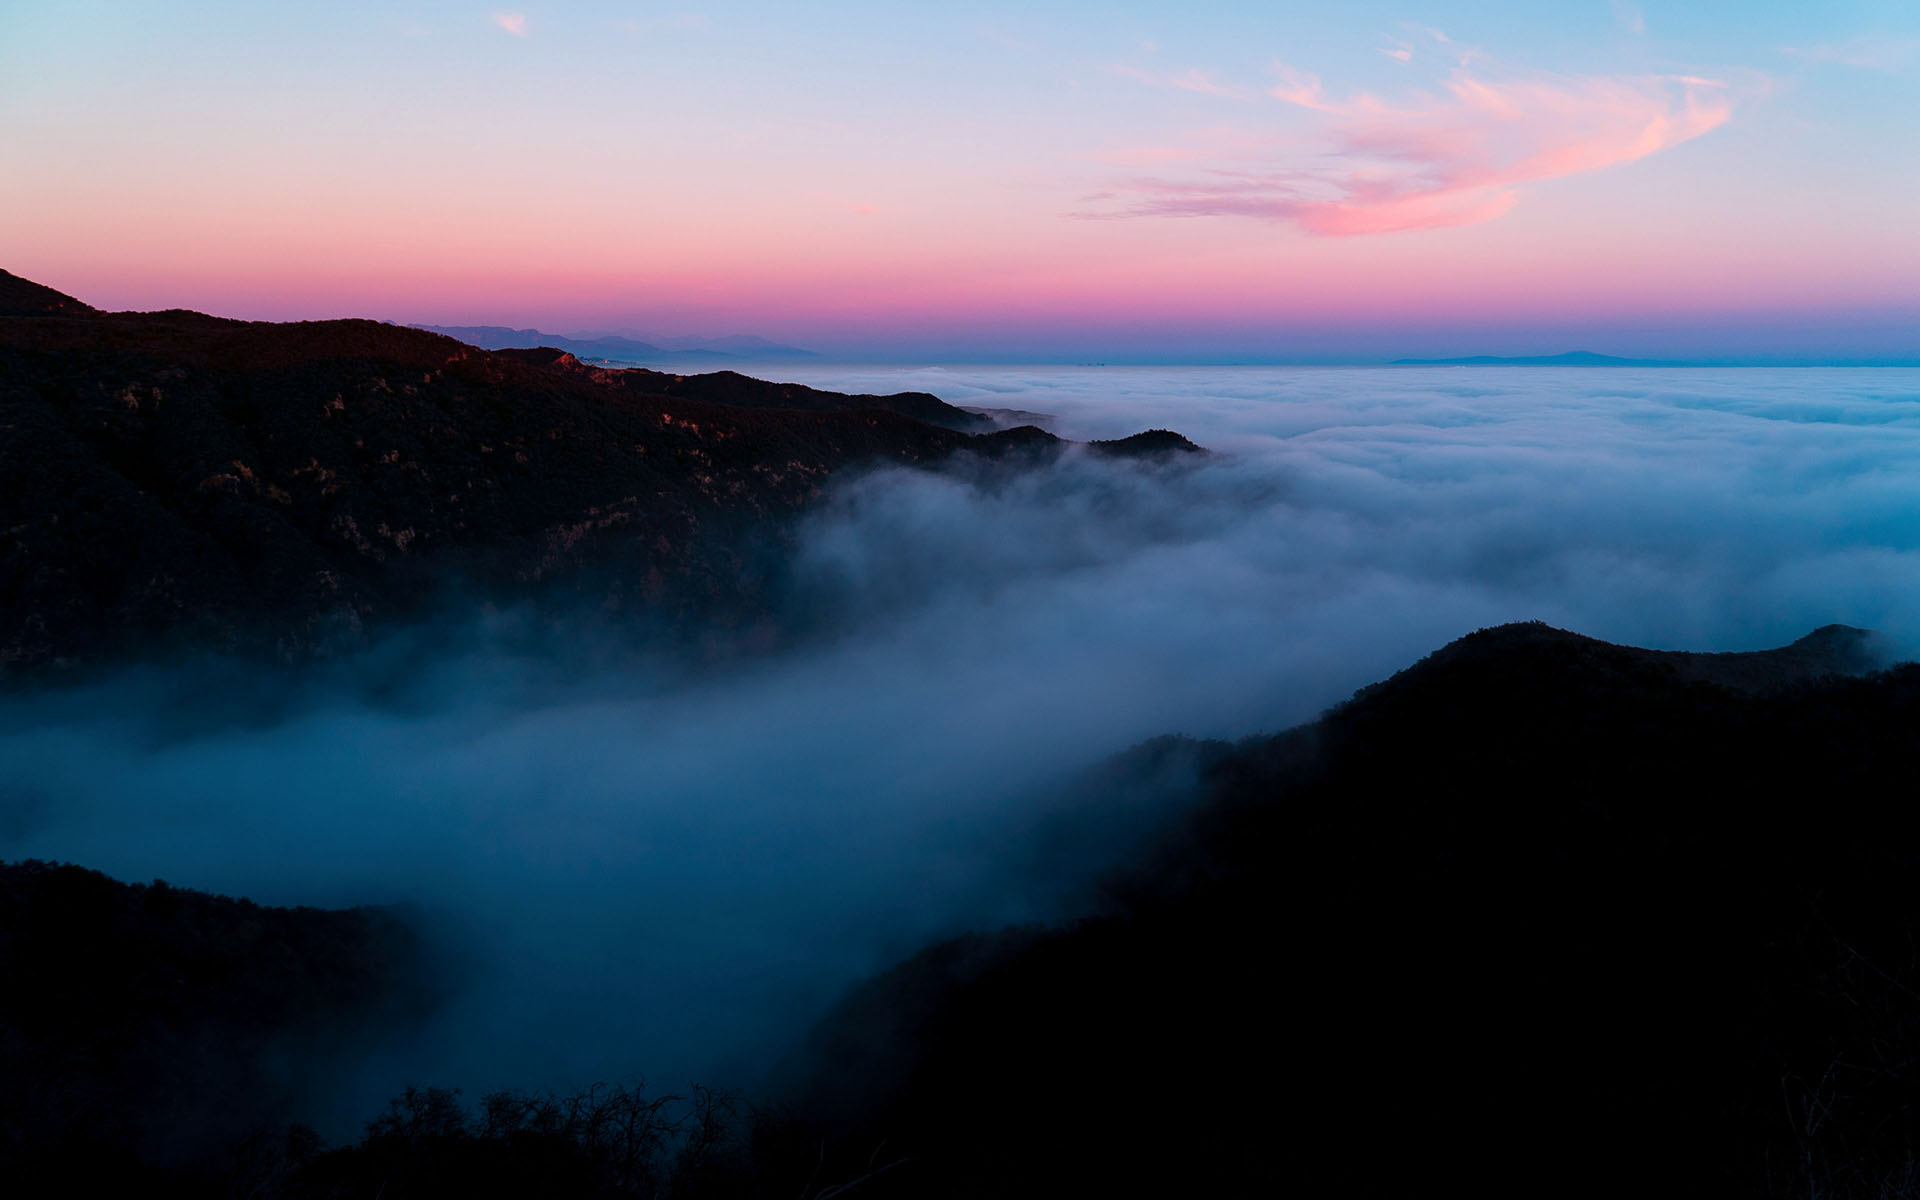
x=663, y=875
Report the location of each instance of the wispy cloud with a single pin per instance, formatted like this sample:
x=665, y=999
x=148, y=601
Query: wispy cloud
x=1867, y=52
x=1298, y=87
x=1461, y=53
x=1214, y=144
x=1201, y=81
x=1454, y=157
x=1630, y=16
x=513, y=23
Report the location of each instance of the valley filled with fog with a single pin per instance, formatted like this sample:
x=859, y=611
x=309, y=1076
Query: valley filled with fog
x=649, y=870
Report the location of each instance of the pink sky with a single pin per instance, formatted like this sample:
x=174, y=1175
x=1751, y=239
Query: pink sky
x=505, y=167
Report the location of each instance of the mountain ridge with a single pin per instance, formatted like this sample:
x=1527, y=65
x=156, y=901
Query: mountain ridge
x=25, y=298
x=620, y=347
x=146, y=1026
x=173, y=479
x=1535, y=900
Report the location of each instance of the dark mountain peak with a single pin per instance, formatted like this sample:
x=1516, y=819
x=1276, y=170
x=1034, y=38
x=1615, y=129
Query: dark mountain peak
x=500, y=337
x=1020, y=447
x=25, y=298
x=180, y=1020
x=1827, y=651
x=735, y=390
x=1837, y=637
x=1149, y=443
x=1617, y=911
x=1020, y=435
x=1524, y=652
x=731, y=378
x=540, y=356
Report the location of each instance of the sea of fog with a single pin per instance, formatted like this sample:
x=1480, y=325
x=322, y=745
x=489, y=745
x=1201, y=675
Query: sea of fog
x=651, y=873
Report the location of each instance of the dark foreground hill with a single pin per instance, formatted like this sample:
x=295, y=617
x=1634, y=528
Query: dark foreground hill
x=1538, y=916
x=147, y=1031
x=173, y=479
x=735, y=390
x=25, y=298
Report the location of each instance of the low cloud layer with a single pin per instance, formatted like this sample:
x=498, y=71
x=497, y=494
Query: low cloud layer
x=658, y=874
x=1686, y=508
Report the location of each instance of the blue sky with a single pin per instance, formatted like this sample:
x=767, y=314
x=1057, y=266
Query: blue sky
x=990, y=180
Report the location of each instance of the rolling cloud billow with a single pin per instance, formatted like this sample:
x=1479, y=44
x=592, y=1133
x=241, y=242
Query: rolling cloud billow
x=646, y=871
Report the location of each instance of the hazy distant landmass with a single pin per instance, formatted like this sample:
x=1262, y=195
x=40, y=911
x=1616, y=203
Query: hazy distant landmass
x=739, y=345
x=1572, y=358
x=620, y=347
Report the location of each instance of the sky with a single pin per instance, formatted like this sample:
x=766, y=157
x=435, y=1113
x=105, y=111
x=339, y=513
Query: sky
x=991, y=181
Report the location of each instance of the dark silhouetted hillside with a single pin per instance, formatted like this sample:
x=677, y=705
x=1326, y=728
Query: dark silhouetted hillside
x=172, y=479
x=742, y=391
x=1540, y=913
x=500, y=337
x=1538, y=916
x=145, y=1027
x=25, y=298
x=1148, y=444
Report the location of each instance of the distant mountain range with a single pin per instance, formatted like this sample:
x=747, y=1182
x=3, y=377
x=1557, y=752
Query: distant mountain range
x=618, y=346
x=1572, y=358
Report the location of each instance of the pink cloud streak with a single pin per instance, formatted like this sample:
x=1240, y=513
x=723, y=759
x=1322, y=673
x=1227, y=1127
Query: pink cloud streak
x=1452, y=158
